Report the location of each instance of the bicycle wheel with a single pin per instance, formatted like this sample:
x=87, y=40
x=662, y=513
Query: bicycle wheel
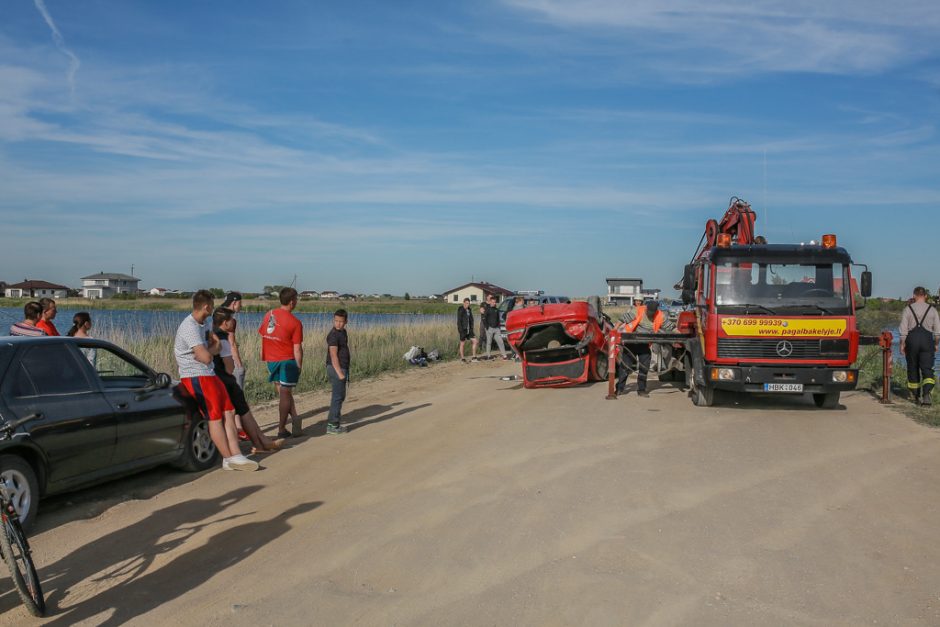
x=17, y=555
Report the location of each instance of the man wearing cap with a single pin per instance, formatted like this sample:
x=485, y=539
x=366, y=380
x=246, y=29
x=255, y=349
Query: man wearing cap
x=642, y=318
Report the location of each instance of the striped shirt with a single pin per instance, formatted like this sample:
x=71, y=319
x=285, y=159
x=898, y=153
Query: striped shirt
x=26, y=330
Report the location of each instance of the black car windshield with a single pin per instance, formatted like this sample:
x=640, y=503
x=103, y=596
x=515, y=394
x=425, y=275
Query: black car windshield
x=782, y=288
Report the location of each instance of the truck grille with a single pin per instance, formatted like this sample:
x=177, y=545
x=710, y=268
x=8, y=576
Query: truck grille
x=774, y=349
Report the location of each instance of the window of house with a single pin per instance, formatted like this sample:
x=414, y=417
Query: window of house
x=473, y=298
x=455, y=298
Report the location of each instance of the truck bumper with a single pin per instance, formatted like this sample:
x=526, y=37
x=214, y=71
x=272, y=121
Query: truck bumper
x=753, y=378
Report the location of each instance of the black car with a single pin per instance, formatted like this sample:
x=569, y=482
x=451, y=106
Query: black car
x=92, y=412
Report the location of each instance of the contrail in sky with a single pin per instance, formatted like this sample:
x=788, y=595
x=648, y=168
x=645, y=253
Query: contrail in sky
x=59, y=40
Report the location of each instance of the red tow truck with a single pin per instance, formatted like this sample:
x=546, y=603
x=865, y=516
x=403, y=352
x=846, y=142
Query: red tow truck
x=770, y=318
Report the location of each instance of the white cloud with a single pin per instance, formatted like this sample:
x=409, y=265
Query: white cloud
x=695, y=39
x=74, y=62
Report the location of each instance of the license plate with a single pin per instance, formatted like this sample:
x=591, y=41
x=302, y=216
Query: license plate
x=783, y=387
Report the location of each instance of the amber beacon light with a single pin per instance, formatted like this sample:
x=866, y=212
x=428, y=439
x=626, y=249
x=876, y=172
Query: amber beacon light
x=829, y=241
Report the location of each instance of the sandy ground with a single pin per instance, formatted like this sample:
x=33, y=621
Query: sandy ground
x=462, y=499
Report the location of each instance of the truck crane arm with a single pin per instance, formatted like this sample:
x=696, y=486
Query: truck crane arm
x=738, y=222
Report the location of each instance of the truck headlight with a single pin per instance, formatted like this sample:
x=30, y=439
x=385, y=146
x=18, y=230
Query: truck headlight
x=723, y=374
x=843, y=376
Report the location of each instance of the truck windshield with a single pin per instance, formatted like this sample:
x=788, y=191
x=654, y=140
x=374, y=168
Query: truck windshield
x=793, y=288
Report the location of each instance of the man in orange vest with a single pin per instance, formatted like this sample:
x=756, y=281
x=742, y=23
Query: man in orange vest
x=646, y=318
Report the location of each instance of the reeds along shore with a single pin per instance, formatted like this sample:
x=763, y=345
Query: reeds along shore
x=375, y=349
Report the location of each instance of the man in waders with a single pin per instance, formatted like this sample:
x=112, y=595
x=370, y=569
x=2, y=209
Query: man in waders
x=920, y=335
x=645, y=319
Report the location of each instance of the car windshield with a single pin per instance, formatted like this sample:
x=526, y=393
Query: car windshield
x=775, y=288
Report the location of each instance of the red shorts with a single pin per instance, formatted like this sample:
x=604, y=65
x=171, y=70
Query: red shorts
x=209, y=394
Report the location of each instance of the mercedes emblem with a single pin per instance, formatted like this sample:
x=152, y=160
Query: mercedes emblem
x=784, y=348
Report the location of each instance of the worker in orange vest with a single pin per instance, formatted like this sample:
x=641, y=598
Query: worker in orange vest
x=645, y=318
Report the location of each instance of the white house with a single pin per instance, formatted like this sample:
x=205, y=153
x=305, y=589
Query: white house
x=329, y=294
x=157, y=291
x=35, y=289
x=476, y=292
x=309, y=294
x=623, y=291
x=107, y=284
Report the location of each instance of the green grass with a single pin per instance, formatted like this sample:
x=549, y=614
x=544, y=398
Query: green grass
x=869, y=366
x=375, y=350
x=376, y=306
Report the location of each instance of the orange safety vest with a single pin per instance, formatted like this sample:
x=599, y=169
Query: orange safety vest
x=658, y=320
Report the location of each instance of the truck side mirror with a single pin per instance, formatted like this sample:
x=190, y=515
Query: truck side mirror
x=688, y=297
x=866, y=284
x=688, y=278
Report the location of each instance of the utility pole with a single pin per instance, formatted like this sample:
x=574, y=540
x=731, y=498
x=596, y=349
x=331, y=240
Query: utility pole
x=132, y=269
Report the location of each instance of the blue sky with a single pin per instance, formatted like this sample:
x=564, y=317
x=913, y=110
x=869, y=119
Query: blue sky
x=410, y=146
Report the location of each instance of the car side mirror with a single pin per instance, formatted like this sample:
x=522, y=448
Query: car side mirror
x=866, y=284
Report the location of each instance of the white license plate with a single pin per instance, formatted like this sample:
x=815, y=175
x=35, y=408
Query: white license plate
x=783, y=387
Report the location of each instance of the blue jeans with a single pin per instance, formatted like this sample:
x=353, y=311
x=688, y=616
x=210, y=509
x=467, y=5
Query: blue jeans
x=338, y=396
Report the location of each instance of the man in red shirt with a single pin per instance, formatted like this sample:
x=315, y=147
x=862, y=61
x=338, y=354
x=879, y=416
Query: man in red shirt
x=48, y=315
x=282, y=337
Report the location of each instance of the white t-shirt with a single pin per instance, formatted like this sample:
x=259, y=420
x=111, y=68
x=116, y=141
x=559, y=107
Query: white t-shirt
x=189, y=335
x=226, y=350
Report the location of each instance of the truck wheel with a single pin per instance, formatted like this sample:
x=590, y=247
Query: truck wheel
x=23, y=487
x=826, y=401
x=703, y=396
x=601, y=367
x=199, y=452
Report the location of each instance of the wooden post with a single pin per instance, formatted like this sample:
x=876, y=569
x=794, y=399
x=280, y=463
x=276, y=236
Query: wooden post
x=886, y=342
x=613, y=347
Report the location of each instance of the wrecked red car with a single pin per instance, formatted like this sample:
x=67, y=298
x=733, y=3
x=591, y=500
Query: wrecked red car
x=560, y=345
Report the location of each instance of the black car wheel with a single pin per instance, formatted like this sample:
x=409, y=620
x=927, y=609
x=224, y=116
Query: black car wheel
x=601, y=366
x=199, y=452
x=22, y=487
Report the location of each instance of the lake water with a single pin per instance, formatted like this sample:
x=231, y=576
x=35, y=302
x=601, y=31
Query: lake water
x=165, y=322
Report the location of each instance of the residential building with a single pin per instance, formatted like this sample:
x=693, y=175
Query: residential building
x=32, y=288
x=623, y=291
x=651, y=293
x=476, y=291
x=108, y=284
x=157, y=291
x=329, y=294
x=347, y=297
x=309, y=294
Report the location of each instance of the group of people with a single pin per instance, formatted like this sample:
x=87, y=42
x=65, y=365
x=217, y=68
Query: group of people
x=38, y=317
x=490, y=329
x=211, y=371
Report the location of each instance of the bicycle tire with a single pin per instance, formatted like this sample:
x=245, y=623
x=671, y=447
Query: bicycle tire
x=16, y=552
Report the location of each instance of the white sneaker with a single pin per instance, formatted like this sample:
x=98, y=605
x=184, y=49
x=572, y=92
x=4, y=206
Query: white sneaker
x=239, y=462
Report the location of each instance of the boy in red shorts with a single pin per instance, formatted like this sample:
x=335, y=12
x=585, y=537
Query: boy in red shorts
x=282, y=336
x=194, y=348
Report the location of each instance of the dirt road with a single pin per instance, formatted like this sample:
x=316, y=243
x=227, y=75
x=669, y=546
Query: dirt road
x=461, y=499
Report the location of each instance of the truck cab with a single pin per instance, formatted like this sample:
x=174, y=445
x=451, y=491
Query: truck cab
x=774, y=318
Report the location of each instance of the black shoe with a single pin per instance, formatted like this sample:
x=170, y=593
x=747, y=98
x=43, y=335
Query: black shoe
x=336, y=429
x=925, y=400
x=284, y=433
x=643, y=393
